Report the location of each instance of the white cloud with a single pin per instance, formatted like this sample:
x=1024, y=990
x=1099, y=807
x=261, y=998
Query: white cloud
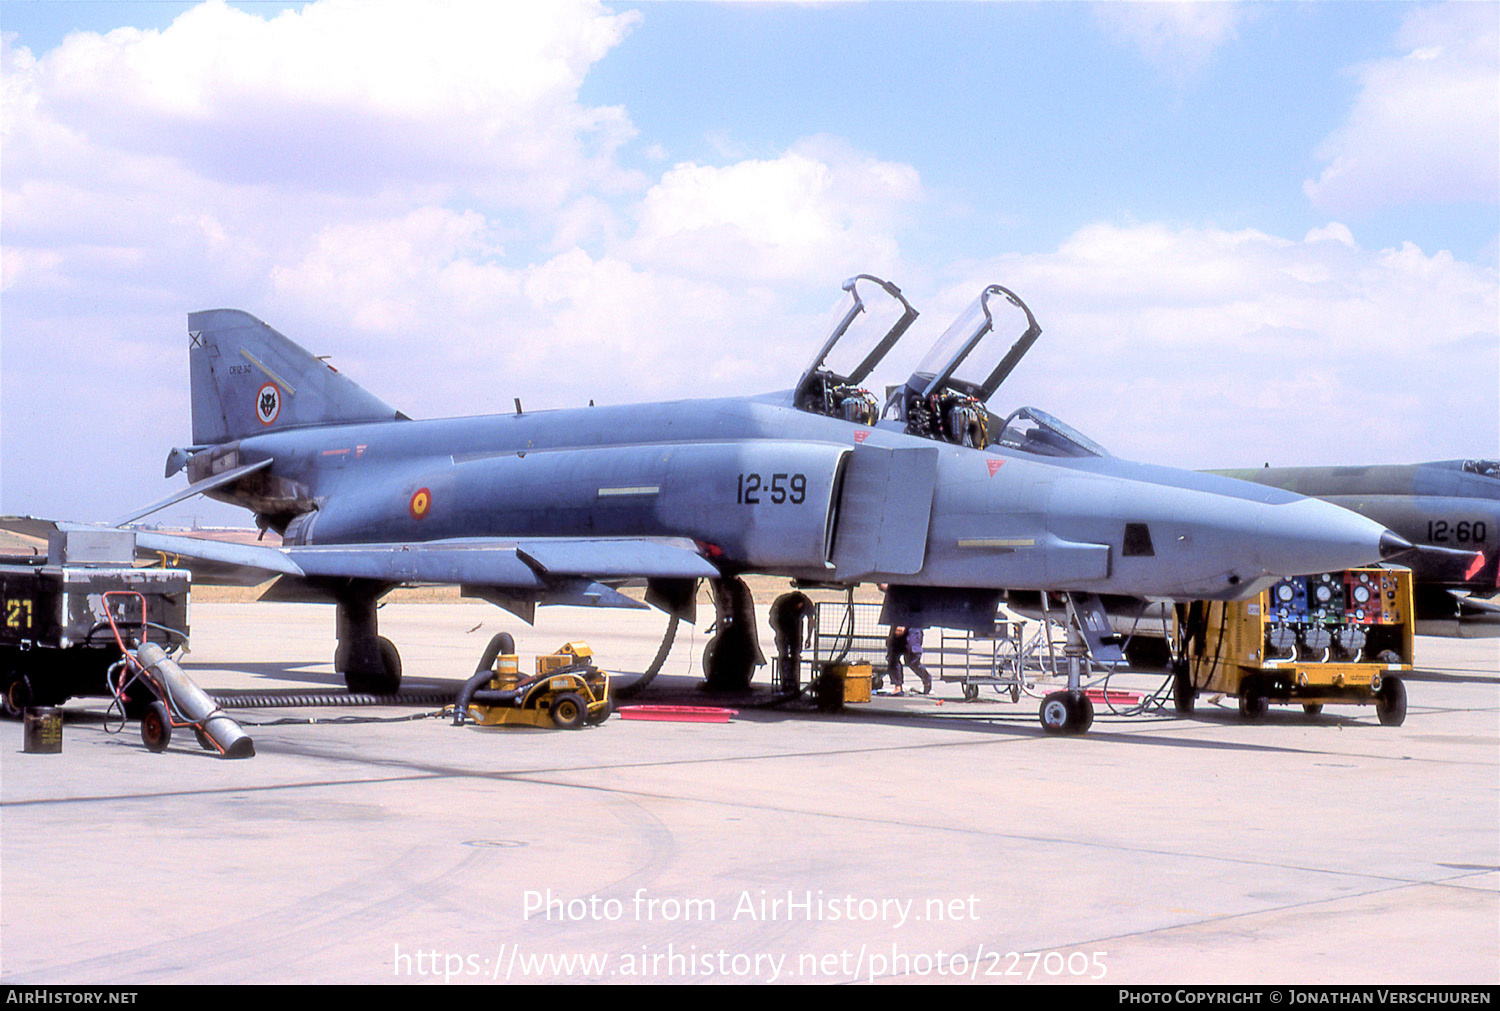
x=820, y=210
x=1178, y=39
x=1204, y=347
x=1423, y=127
x=351, y=97
x=343, y=165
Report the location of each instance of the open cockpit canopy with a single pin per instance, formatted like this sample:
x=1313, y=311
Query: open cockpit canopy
x=862, y=333
x=971, y=356
x=945, y=397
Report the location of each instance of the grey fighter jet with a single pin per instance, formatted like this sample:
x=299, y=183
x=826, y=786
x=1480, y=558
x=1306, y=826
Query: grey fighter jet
x=929, y=493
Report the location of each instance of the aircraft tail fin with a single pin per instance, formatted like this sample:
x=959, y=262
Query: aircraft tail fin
x=248, y=379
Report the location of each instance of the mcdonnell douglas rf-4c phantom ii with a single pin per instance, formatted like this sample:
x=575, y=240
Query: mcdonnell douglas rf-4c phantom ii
x=930, y=494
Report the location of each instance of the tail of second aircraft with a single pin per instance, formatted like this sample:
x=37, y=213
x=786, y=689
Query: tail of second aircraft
x=248, y=379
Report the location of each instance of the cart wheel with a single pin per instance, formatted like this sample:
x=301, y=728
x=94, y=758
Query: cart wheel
x=568, y=711
x=204, y=741
x=1061, y=713
x=16, y=698
x=1183, y=692
x=971, y=693
x=1390, y=702
x=1312, y=708
x=156, y=727
x=1015, y=692
x=1253, y=704
x=137, y=701
x=594, y=719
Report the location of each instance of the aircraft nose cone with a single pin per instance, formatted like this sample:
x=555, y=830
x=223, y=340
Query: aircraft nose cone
x=1393, y=544
x=1310, y=536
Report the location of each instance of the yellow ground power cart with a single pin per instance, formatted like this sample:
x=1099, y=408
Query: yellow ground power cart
x=1338, y=637
x=566, y=692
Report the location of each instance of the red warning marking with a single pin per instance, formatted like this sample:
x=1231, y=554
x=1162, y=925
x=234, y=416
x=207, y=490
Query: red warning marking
x=994, y=465
x=1475, y=565
x=861, y=436
x=420, y=503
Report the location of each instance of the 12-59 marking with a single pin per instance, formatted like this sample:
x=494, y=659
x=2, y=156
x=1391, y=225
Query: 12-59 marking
x=782, y=488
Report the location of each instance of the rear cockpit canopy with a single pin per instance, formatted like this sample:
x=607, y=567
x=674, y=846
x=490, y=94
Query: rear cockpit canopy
x=945, y=397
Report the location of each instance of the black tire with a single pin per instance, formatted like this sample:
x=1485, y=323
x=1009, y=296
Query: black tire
x=729, y=661
x=971, y=693
x=1184, y=695
x=596, y=718
x=1390, y=702
x=1059, y=713
x=156, y=727
x=1085, y=714
x=1253, y=705
x=568, y=711
x=17, y=697
x=1312, y=708
x=386, y=682
x=204, y=741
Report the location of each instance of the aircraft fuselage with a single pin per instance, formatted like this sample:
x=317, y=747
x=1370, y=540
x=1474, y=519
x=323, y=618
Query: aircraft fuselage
x=763, y=487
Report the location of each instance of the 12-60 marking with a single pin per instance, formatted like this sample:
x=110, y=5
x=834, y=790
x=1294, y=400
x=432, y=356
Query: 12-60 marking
x=1463, y=532
x=751, y=490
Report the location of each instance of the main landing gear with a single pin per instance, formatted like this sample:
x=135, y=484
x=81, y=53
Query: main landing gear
x=731, y=656
x=368, y=661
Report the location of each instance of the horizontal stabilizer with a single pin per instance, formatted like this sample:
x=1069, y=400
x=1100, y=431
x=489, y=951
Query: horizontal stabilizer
x=196, y=488
x=179, y=550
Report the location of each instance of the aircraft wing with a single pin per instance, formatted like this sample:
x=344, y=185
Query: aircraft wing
x=561, y=569
x=521, y=563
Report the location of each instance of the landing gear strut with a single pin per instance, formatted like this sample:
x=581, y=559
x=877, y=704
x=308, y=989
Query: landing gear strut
x=369, y=662
x=731, y=656
x=1070, y=711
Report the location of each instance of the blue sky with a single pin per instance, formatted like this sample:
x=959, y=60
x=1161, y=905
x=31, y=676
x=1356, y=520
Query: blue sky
x=1224, y=215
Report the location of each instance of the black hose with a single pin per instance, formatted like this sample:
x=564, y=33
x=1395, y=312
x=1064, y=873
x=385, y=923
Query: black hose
x=272, y=699
x=634, y=687
x=500, y=642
